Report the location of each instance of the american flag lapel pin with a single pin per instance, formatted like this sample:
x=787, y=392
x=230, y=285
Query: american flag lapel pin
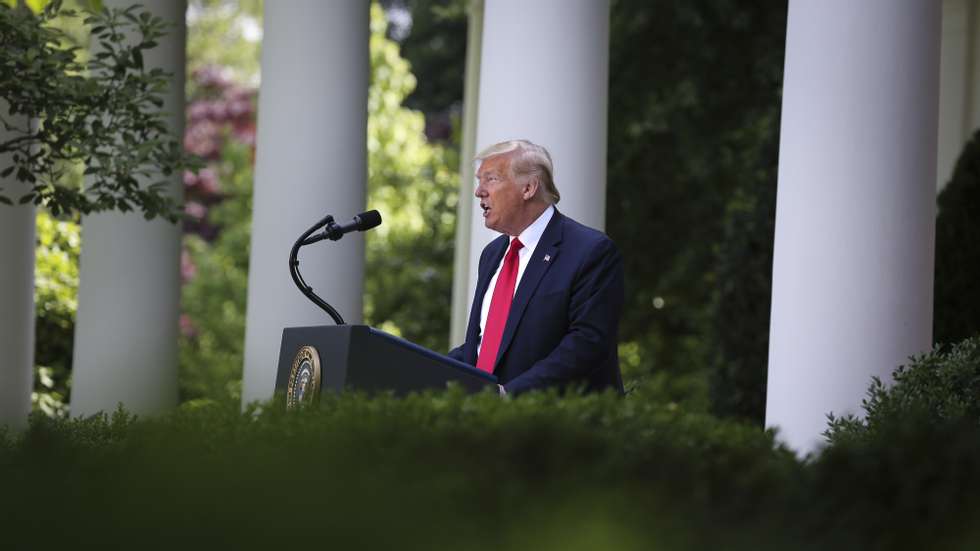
x=547, y=258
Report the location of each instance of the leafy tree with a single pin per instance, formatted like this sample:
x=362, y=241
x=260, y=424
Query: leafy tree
x=408, y=282
x=224, y=34
x=433, y=40
x=739, y=332
x=693, y=113
x=103, y=113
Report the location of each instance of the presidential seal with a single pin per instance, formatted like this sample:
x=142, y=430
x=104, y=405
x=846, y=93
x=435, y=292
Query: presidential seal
x=304, y=378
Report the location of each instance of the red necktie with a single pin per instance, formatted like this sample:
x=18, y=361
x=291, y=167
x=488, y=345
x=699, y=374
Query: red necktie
x=503, y=295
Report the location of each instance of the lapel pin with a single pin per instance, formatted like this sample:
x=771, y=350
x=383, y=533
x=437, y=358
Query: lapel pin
x=547, y=258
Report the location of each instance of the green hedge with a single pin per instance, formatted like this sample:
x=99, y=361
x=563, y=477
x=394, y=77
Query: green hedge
x=941, y=388
x=446, y=470
x=957, y=296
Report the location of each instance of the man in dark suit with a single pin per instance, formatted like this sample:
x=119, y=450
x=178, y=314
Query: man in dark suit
x=549, y=291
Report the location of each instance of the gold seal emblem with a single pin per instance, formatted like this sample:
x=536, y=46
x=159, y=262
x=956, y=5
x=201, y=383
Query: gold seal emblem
x=304, y=378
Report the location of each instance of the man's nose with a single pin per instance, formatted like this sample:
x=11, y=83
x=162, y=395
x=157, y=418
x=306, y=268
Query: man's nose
x=479, y=191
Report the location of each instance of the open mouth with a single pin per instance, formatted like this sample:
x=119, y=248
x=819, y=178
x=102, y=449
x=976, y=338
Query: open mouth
x=486, y=209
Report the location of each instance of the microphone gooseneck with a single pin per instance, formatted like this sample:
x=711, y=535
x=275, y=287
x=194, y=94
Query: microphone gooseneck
x=332, y=231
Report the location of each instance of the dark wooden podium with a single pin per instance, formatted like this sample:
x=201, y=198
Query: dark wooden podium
x=338, y=357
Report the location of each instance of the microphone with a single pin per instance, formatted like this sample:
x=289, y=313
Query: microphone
x=361, y=222
x=334, y=231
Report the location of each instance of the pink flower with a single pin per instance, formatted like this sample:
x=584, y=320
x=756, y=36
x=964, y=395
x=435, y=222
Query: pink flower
x=195, y=210
x=211, y=76
x=187, y=327
x=207, y=180
x=190, y=179
x=197, y=111
x=187, y=268
x=203, y=139
x=217, y=111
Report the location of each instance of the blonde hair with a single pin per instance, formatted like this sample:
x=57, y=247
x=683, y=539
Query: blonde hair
x=530, y=160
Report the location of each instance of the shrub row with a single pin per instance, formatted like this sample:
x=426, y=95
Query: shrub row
x=447, y=470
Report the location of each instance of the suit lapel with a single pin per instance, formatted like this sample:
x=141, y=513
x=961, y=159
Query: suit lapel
x=495, y=257
x=542, y=259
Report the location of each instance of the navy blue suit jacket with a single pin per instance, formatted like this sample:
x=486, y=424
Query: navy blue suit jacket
x=564, y=321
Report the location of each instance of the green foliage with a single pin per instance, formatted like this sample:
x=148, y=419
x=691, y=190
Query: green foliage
x=55, y=302
x=446, y=470
x=685, y=390
x=430, y=471
x=213, y=298
x=218, y=200
x=103, y=113
x=913, y=457
x=224, y=33
x=436, y=48
x=693, y=117
x=938, y=388
x=957, y=296
x=739, y=334
x=912, y=484
x=414, y=184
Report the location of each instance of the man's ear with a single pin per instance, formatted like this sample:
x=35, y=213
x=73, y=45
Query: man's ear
x=530, y=188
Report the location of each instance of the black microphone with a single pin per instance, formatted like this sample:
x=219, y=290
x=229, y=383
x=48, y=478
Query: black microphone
x=334, y=231
x=361, y=222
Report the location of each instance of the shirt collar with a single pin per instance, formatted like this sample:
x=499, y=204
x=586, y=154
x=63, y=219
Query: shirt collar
x=532, y=234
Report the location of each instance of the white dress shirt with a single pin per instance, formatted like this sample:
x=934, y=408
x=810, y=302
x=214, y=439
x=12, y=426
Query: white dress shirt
x=529, y=238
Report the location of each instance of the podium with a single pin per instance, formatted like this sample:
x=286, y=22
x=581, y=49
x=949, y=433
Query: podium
x=358, y=357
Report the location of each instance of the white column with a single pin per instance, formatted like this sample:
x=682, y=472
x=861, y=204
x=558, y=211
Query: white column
x=544, y=76
x=129, y=278
x=464, y=210
x=311, y=160
x=16, y=299
x=855, y=214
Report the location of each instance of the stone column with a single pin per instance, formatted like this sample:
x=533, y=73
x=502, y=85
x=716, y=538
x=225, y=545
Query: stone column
x=855, y=214
x=129, y=278
x=16, y=298
x=311, y=160
x=544, y=76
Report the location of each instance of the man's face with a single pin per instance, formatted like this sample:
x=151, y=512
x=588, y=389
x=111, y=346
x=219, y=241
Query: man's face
x=501, y=198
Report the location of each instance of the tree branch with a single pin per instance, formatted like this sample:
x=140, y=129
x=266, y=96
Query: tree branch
x=7, y=146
